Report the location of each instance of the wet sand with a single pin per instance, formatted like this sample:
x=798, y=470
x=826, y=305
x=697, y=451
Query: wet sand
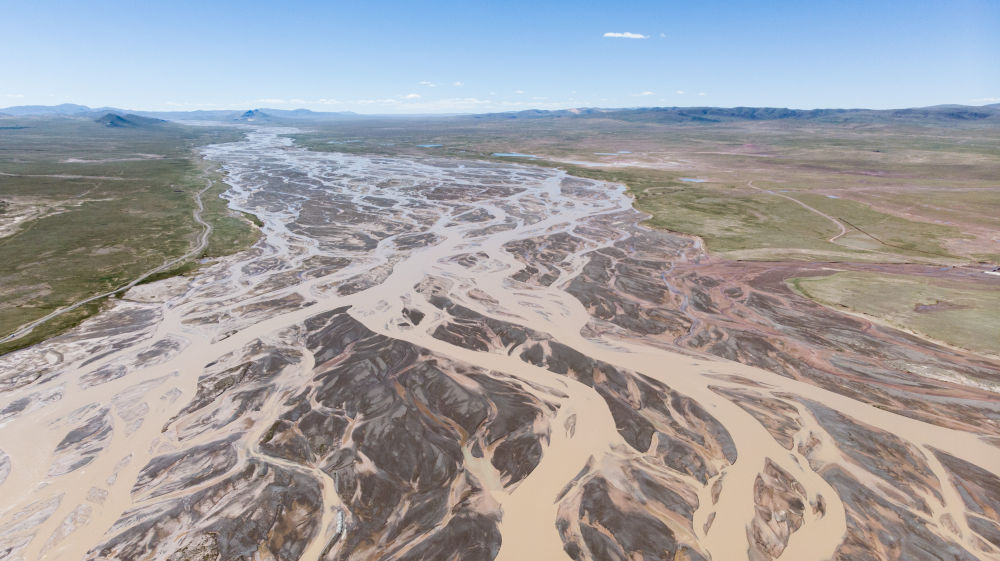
x=434, y=359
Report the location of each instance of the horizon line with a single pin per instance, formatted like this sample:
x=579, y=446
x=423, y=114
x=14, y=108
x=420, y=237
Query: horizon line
x=989, y=103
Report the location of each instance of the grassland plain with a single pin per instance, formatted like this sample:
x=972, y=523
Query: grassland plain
x=84, y=208
x=776, y=191
x=905, y=192
x=88, y=208
x=958, y=314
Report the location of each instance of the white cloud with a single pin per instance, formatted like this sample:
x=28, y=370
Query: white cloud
x=987, y=100
x=519, y=91
x=428, y=84
x=663, y=35
x=273, y=100
x=626, y=35
x=640, y=94
x=458, y=84
x=325, y=101
x=680, y=92
x=411, y=96
x=701, y=93
x=16, y=96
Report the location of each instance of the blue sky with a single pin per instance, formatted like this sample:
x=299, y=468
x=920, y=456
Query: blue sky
x=472, y=56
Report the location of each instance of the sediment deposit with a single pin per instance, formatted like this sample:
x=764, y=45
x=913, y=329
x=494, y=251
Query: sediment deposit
x=439, y=359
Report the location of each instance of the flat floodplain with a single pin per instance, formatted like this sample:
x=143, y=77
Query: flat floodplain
x=86, y=208
x=426, y=354
x=910, y=191
x=960, y=314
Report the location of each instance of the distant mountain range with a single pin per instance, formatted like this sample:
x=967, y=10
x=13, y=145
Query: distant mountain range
x=987, y=114
x=253, y=115
x=939, y=114
x=68, y=109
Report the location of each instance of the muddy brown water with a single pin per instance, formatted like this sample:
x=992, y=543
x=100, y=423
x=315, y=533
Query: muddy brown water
x=165, y=424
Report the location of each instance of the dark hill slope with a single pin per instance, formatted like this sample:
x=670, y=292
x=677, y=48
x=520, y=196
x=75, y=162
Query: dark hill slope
x=114, y=120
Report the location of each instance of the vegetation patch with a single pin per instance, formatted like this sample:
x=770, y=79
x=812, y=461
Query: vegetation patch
x=54, y=326
x=962, y=315
x=111, y=203
x=182, y=269
x=922, y=191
